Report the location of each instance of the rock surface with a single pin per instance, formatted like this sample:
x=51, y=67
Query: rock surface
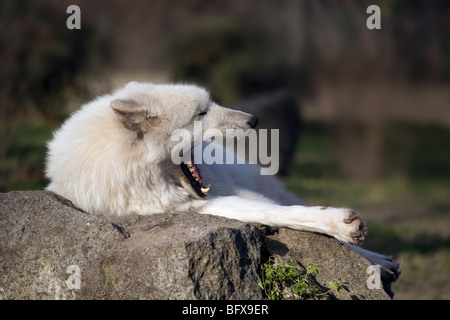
x=50, y=250
x=337, y=262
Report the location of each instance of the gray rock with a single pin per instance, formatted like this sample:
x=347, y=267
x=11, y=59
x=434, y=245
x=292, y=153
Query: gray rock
x=173, y=256
x=50, y=250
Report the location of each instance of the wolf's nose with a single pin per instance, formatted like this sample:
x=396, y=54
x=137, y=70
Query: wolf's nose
x=253, y=122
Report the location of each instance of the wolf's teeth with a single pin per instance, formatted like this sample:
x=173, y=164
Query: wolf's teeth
x=189, y=165
x=204, y=190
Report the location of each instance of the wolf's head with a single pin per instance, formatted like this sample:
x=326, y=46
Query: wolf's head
x=114, y=155
x=151, y=114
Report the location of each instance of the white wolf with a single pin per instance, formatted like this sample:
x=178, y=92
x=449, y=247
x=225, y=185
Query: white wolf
x=113, y=157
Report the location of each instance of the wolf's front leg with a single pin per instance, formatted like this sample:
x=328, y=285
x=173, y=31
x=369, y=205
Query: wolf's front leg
x=341, y=223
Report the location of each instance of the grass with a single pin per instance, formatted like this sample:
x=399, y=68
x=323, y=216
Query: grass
x=280, y=279
x=22, y=154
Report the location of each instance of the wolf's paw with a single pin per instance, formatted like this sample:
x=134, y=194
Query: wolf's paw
x=358, y=227
x=387, y=269
x=348, y=226
x=389, y=272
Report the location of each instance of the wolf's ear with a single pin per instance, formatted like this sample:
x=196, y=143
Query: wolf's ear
x=133, y=115
x=126, y=106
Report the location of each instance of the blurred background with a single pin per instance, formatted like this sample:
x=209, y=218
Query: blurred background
x=364, y=115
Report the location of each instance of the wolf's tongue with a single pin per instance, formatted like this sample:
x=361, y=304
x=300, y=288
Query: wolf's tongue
x=196, y=173
x=196, y=170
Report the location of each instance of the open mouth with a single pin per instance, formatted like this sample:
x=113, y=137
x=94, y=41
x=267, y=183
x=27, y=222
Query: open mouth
x=192, y=173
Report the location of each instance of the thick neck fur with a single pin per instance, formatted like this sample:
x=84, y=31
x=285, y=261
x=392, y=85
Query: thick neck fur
x=114, y=173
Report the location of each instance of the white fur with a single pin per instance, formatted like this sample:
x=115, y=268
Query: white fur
x=104, y=167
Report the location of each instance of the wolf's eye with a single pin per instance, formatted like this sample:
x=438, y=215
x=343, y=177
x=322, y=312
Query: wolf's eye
x=201, y=114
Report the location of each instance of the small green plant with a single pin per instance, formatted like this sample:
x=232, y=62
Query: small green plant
x=279, y=278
